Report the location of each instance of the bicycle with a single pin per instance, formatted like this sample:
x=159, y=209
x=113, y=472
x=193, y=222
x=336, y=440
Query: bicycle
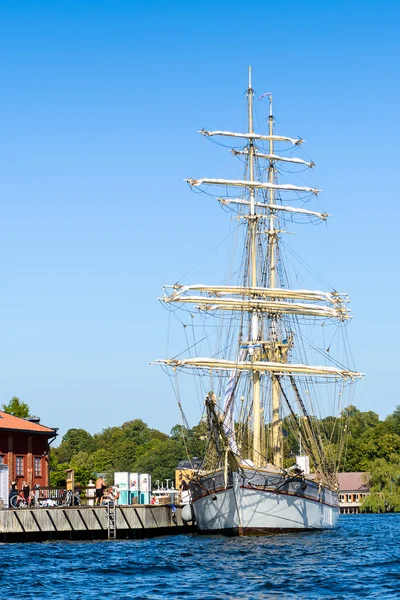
x=71, y=499
x=19, y=501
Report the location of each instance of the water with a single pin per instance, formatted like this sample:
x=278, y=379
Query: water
x=359, y=559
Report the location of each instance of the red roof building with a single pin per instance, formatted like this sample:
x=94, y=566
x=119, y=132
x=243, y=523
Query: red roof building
x=24, y=448
x=352, y=491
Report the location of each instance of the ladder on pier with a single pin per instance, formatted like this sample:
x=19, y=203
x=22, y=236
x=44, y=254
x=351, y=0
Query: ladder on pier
x=111, y=517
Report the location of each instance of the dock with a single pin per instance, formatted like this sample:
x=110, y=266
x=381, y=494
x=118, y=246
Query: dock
x=90, y=523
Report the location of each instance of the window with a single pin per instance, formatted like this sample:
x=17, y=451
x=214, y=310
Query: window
x=19, y=466
x=37, y=466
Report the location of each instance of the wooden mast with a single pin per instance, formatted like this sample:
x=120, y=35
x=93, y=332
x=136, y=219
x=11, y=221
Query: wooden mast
x=275, y=354
x=257, y=458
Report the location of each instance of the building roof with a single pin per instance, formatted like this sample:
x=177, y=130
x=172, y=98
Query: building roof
x=352, y=482
x=195, y=463
x=10, y=422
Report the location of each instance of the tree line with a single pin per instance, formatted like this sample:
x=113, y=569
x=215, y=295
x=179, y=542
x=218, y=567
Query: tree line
x=132, y=446
x=372, y=446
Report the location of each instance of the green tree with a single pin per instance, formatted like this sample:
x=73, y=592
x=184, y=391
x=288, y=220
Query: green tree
x=102, y=461
x=17, y=408
x=178, y=432
x=194, y=439
x=161, y=460
x=357, y=422
x=392, y=422
x=74, y=441
x=198, y=437
x=124, y=455
x=82, y=475
x=383, y=480
x=82, y=460
x=374, y=443
x=57, y=474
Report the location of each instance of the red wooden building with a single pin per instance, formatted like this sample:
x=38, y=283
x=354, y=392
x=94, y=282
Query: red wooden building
x=24, y=447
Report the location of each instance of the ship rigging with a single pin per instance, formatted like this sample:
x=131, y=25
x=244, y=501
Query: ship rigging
x=261, y=366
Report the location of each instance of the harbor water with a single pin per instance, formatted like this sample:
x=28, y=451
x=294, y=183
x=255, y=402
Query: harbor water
x=359, y=559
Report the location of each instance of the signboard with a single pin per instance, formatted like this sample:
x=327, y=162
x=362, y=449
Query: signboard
x=70, y=479
x=134, y=480
x=145, y=482
x=121, y=479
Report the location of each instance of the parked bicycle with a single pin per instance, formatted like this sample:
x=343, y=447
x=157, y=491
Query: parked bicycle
x=19, y=501
x=70, y=499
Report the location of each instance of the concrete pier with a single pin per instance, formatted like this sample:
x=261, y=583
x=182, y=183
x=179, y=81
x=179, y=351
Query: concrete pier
x=89, y=523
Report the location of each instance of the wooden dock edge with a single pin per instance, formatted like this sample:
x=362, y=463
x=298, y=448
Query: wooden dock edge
x=89, y=523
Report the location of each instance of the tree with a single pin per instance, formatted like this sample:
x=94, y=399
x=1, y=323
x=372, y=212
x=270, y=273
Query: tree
x=358, y=422
x=141, y=432
x=374, y=443
x=383, y=480
x=393, y=421
x=74, y=441
x=82, y=460
x=198, y=437
x=102, y=461
x=178, y=432
x=17, y=408
x=161, y=460
x=194, y=440
x=58, y=475
x=124, y=455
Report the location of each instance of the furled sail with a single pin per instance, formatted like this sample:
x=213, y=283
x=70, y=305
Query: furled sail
x=295, y=160
x=260, y=366
x=286, y=187
x=268, y=306
x=221, y=290
x=254, y=136
x=279, y=207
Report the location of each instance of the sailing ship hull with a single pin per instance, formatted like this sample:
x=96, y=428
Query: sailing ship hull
x=240, y=509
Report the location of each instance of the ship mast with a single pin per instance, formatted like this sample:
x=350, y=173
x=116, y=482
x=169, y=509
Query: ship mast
x=257, y=458
x=273, y=343
x=264, y=301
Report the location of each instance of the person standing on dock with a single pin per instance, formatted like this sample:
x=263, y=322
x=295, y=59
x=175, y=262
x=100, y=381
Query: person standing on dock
x=26, y=491
x=113, y=494
x=100, y=485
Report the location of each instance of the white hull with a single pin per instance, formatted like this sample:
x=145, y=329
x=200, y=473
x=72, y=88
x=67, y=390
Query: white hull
x=240, y=510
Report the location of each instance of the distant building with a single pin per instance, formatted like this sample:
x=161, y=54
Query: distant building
x=186, y=469
x=352, y=490
x=24, y=447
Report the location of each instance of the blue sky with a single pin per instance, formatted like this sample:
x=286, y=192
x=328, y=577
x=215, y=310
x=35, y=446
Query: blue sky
x=99, y=110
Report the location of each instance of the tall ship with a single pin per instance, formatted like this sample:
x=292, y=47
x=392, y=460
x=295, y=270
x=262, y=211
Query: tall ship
x=273, y=390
